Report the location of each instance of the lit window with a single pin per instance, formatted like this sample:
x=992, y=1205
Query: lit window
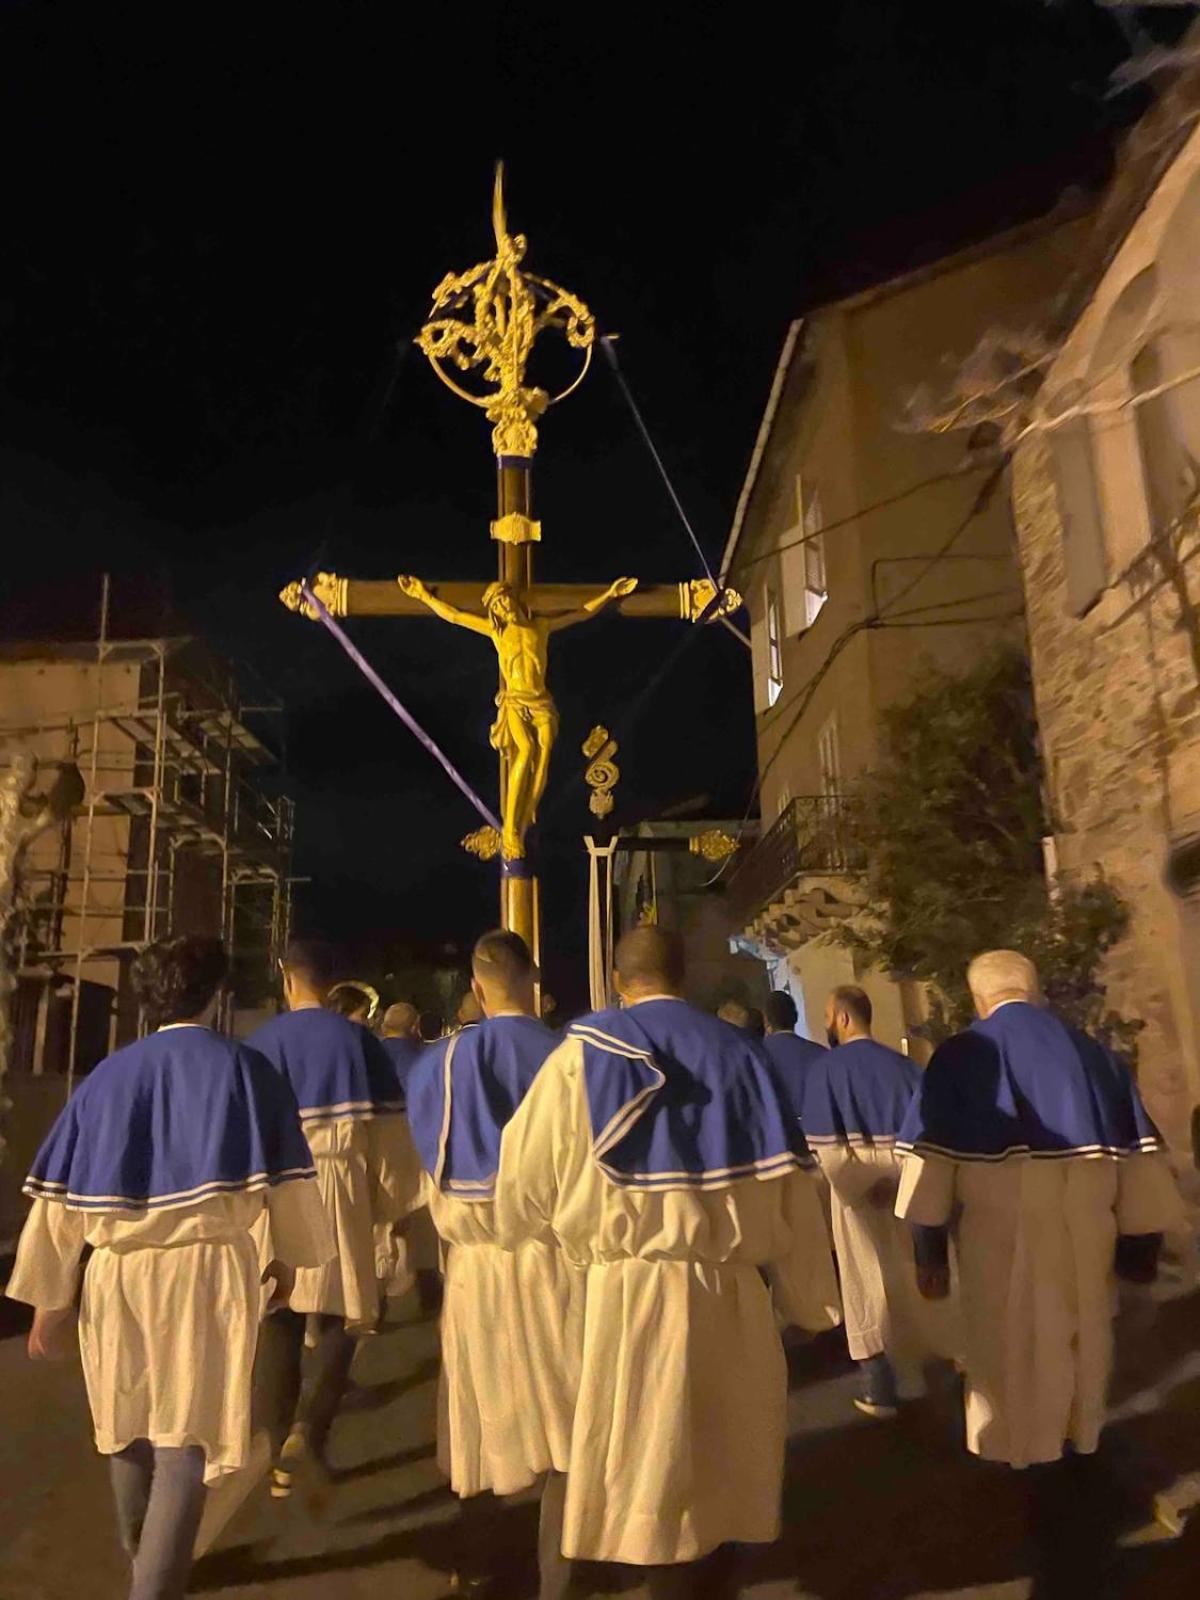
x=816, y=590
x=774, y=650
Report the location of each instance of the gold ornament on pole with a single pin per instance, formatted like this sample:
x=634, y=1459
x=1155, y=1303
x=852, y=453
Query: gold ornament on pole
x=602, y=773
x=486, y=321
x=712, y=844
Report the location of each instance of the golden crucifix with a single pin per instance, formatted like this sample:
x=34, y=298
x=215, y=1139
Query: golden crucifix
x=483, y=325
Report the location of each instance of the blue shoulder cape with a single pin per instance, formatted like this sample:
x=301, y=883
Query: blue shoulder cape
x=1023, y=1083
x=172, y=1119
x=857, y=1094
x=403, y=1054
x=335, y=1067
x=681, y=1100
x=463, y=1091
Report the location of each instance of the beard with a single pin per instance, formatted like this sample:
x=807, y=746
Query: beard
x=831, y=1035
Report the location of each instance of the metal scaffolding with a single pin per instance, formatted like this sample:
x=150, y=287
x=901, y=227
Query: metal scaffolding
x=173, y=773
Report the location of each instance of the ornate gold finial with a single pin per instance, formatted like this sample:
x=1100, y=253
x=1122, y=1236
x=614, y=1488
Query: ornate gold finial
x=712, y=844
x=603, y=772
x=697, y=593
x=329, y=589
x=486, y=320
x=484, y=843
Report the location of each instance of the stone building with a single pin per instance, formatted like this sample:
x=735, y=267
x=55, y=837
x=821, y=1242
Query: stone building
x=1105, y=494
x=867, y=549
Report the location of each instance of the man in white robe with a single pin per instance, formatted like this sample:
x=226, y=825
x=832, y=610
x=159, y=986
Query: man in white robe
x=164, y=1162
x=510, y=1324
x=351, y=1109
x=657, y=1147
x=1028, y=1143
x=854, y=1098
x=409, y=1250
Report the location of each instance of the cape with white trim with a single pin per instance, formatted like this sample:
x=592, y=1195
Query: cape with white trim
x=173, y=1119
x=681, y=1100
x=336, y=1068
x=1023, y=1083
x=464, y=1090
x=857, y=1094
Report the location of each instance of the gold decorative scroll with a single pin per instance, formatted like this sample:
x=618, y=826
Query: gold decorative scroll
x=712, y=844
x=485, y=321
x=329, y=589
x=602, y=773
x=696, y=595
x=484, y=843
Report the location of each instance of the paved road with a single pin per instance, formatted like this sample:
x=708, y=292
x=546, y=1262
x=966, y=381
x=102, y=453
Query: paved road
x=873, y=1512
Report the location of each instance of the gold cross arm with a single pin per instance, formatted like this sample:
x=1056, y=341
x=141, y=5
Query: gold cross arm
x=382, y=597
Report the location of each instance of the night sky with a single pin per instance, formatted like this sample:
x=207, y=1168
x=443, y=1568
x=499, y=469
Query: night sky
x=222, y=226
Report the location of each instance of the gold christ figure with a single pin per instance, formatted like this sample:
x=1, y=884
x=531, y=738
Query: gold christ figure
x=527, y=719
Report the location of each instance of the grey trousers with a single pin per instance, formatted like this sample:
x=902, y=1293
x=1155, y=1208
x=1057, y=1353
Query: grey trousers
x=160, y=1499
x=285, y=1397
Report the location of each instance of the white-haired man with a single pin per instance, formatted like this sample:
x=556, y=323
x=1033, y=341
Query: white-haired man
x=1030, y=1138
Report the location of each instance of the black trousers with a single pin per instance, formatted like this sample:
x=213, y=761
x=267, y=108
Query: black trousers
x=286, y=1396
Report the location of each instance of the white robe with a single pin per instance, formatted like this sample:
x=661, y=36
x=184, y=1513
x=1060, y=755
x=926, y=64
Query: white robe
x=680, y=1427
x=1035, y=1240
x=368, y=1175
x=884, y=1314
x=511, y=1337
x=170, y=1309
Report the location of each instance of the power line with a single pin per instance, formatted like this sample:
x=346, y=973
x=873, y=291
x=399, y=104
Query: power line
x=857, y=516
x=607, y=345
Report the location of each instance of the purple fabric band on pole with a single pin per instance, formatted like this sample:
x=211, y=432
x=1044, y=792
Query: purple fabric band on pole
x=409, y=721
x=515, y=869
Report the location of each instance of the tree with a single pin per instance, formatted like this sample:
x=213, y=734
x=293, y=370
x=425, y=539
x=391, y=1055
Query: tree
x=950, y=827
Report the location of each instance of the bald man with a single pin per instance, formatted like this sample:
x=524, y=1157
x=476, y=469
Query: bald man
x=1030, y=1139
x=401, y=1036
x=658, y=1146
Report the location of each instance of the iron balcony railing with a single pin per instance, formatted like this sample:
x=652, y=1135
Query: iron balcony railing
x=810, y=835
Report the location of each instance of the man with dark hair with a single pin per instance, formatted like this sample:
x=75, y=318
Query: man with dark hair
x=651, y=1128
x=854, y=1099
x=430, y=1026
x=351, y=1105
x=735, y=1014
x=790, y=1053
x=848, y=1014
x=510, y=1325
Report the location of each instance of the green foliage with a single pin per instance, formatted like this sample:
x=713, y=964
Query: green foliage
x=949, y=826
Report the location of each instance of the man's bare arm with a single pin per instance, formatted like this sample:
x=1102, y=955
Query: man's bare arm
x=416, y=590
x=615, y=591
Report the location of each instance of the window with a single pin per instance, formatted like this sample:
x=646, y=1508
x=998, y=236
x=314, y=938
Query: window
x=830, y=759
x=1163, y=430
x=1079, y=512
x=774, y=650
x=816, y=590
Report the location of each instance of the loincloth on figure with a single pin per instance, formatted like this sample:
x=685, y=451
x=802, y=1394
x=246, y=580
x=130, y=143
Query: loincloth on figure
x=531, y=706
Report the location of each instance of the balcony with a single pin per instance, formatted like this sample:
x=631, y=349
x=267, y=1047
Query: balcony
x=802, y=876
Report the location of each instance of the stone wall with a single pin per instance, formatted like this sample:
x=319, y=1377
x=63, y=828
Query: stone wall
x=1118, y=700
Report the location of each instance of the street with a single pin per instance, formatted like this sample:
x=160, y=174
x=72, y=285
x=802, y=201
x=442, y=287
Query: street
x=877, y=1511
